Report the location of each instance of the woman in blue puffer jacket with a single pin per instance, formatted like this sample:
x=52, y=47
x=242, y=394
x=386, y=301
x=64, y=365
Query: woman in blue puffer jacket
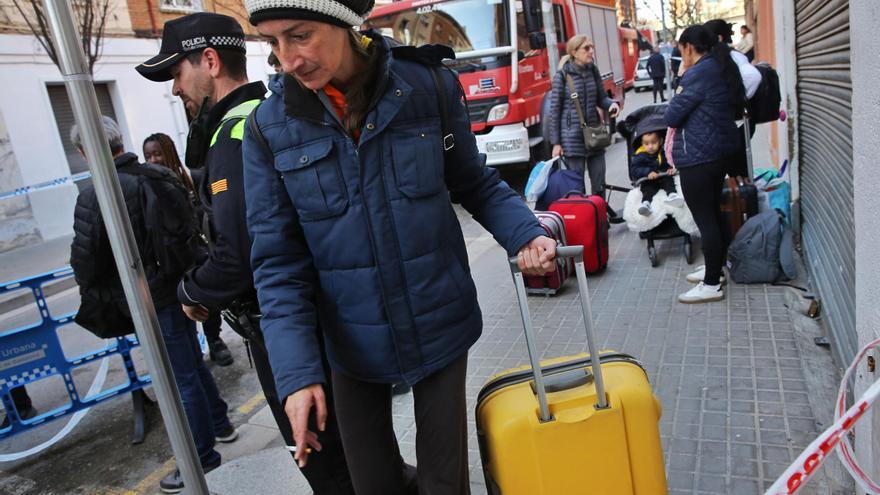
x=351, y=165
x=703, y=113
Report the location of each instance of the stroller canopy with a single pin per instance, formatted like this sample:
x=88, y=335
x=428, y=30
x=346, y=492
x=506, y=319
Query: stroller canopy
x=646, y=119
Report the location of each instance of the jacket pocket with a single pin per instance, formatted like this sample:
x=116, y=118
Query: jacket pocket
x=418, y=160
x=313, y=179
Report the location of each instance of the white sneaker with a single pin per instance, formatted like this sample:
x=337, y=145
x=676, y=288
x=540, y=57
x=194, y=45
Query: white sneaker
x=698, y=275
x=645, y=209
x=674, y=200
x=702, y=293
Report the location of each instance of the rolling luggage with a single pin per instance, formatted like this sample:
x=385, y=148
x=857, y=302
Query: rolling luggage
x=586, y=224
x=739, y=202
x=550, y=283
x=574, y=426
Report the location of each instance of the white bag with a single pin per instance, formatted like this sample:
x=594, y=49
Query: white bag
x=537, y=183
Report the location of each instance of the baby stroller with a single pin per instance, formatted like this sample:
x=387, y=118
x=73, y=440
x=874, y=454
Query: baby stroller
x=664, y=222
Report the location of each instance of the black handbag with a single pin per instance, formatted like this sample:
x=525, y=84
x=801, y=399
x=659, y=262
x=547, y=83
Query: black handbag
x=595, y=138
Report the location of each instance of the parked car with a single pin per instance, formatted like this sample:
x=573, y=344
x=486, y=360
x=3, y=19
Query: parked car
x=642, y=80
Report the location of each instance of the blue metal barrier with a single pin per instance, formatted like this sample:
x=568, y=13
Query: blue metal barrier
x=33, y=352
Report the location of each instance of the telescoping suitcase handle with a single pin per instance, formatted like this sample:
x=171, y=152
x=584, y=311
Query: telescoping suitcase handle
x=576, y=252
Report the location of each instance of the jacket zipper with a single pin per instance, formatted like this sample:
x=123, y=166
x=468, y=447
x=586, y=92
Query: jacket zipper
x=684, y=140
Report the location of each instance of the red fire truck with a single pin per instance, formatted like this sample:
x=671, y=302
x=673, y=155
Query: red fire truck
x=506, y=73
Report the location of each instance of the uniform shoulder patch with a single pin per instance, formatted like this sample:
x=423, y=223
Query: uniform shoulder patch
x=218, y=187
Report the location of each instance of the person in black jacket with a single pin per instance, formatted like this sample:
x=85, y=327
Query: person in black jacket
x=649, y=162
x=656, y=68
x=98, y=279
x=210, y=77
x=159, y=149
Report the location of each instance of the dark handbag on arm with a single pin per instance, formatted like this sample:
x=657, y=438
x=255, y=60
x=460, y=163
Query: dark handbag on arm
x=595, y=138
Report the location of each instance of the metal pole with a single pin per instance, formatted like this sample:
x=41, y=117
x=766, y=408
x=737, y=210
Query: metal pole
x=81, y=91
x=667, y=89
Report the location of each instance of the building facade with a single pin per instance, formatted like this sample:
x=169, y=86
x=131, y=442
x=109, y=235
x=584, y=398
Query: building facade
x=826, y=54
x=35, y=114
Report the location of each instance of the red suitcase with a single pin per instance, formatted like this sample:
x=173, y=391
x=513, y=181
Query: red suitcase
x=550, y=283
x=586, y=224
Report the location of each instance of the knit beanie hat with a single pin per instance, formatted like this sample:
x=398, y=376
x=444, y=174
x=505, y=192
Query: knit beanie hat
x=343, y=13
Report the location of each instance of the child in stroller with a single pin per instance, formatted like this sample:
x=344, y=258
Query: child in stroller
x=650, y=167
x=664, y=216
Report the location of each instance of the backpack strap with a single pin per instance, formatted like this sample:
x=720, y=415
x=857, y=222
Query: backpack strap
x=258, y=134
x=238, y=112
x=448, y=136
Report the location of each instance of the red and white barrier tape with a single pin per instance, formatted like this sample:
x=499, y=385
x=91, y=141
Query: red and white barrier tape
x=803, y=468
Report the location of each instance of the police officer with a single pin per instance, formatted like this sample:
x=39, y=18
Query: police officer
x=204, y=54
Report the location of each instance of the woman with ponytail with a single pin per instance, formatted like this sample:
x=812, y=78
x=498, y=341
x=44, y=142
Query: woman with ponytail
x=703, y=113
x=350, y=169
x=750, y=80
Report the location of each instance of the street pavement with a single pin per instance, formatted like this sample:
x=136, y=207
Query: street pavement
x=742, y=387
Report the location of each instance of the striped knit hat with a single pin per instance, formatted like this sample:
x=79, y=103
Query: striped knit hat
x=343, y=13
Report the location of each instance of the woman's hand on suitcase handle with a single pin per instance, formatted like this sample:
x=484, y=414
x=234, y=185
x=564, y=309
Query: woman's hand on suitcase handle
x=298, y=408
x=538, y=256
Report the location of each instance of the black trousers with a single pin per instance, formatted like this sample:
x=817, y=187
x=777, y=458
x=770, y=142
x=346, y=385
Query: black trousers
x=441, y=434
x=701, y=185
x=211, y=326
x=659, y=87
x=650, y=188
x=327, y=470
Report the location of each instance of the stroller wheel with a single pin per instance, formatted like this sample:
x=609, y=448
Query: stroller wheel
x=688, y=250
x=652, y=255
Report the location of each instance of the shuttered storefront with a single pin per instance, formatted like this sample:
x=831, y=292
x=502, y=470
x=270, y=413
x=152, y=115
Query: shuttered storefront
x=64, y=120
x=824, y=91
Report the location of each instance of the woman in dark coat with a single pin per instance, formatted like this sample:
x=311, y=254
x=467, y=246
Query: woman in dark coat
x=703, y=114
x=348, y=189
x=565, y=130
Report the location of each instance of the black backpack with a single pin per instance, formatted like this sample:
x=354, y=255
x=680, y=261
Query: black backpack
x=170, y=219
x=764, y=105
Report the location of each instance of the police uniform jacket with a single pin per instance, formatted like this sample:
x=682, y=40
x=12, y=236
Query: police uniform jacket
x=362, y=236
x=226, y=274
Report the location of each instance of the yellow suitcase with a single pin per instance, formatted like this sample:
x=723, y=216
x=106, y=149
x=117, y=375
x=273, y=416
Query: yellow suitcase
x=573, y=428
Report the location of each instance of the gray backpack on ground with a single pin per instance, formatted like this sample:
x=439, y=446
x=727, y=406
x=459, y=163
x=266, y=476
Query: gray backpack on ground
x=763, y=250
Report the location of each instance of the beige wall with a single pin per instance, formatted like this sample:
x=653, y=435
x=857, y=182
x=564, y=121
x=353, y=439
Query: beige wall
x=11, y=21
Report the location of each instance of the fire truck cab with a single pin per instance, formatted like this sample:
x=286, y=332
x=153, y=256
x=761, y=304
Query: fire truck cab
x=505, y=73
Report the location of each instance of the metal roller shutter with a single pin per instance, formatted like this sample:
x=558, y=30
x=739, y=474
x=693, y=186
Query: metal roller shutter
x=824, y=91
x=64, y=120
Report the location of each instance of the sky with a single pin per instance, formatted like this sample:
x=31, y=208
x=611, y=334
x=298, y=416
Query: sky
x=648, y=9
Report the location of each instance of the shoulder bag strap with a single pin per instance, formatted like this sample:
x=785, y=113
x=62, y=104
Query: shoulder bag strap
x=577, y=101
x=448, y=137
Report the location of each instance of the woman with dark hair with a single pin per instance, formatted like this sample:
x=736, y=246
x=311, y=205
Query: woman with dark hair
x=159, y=149
x=578, y=71
x=750, y=77
x=703, y=113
